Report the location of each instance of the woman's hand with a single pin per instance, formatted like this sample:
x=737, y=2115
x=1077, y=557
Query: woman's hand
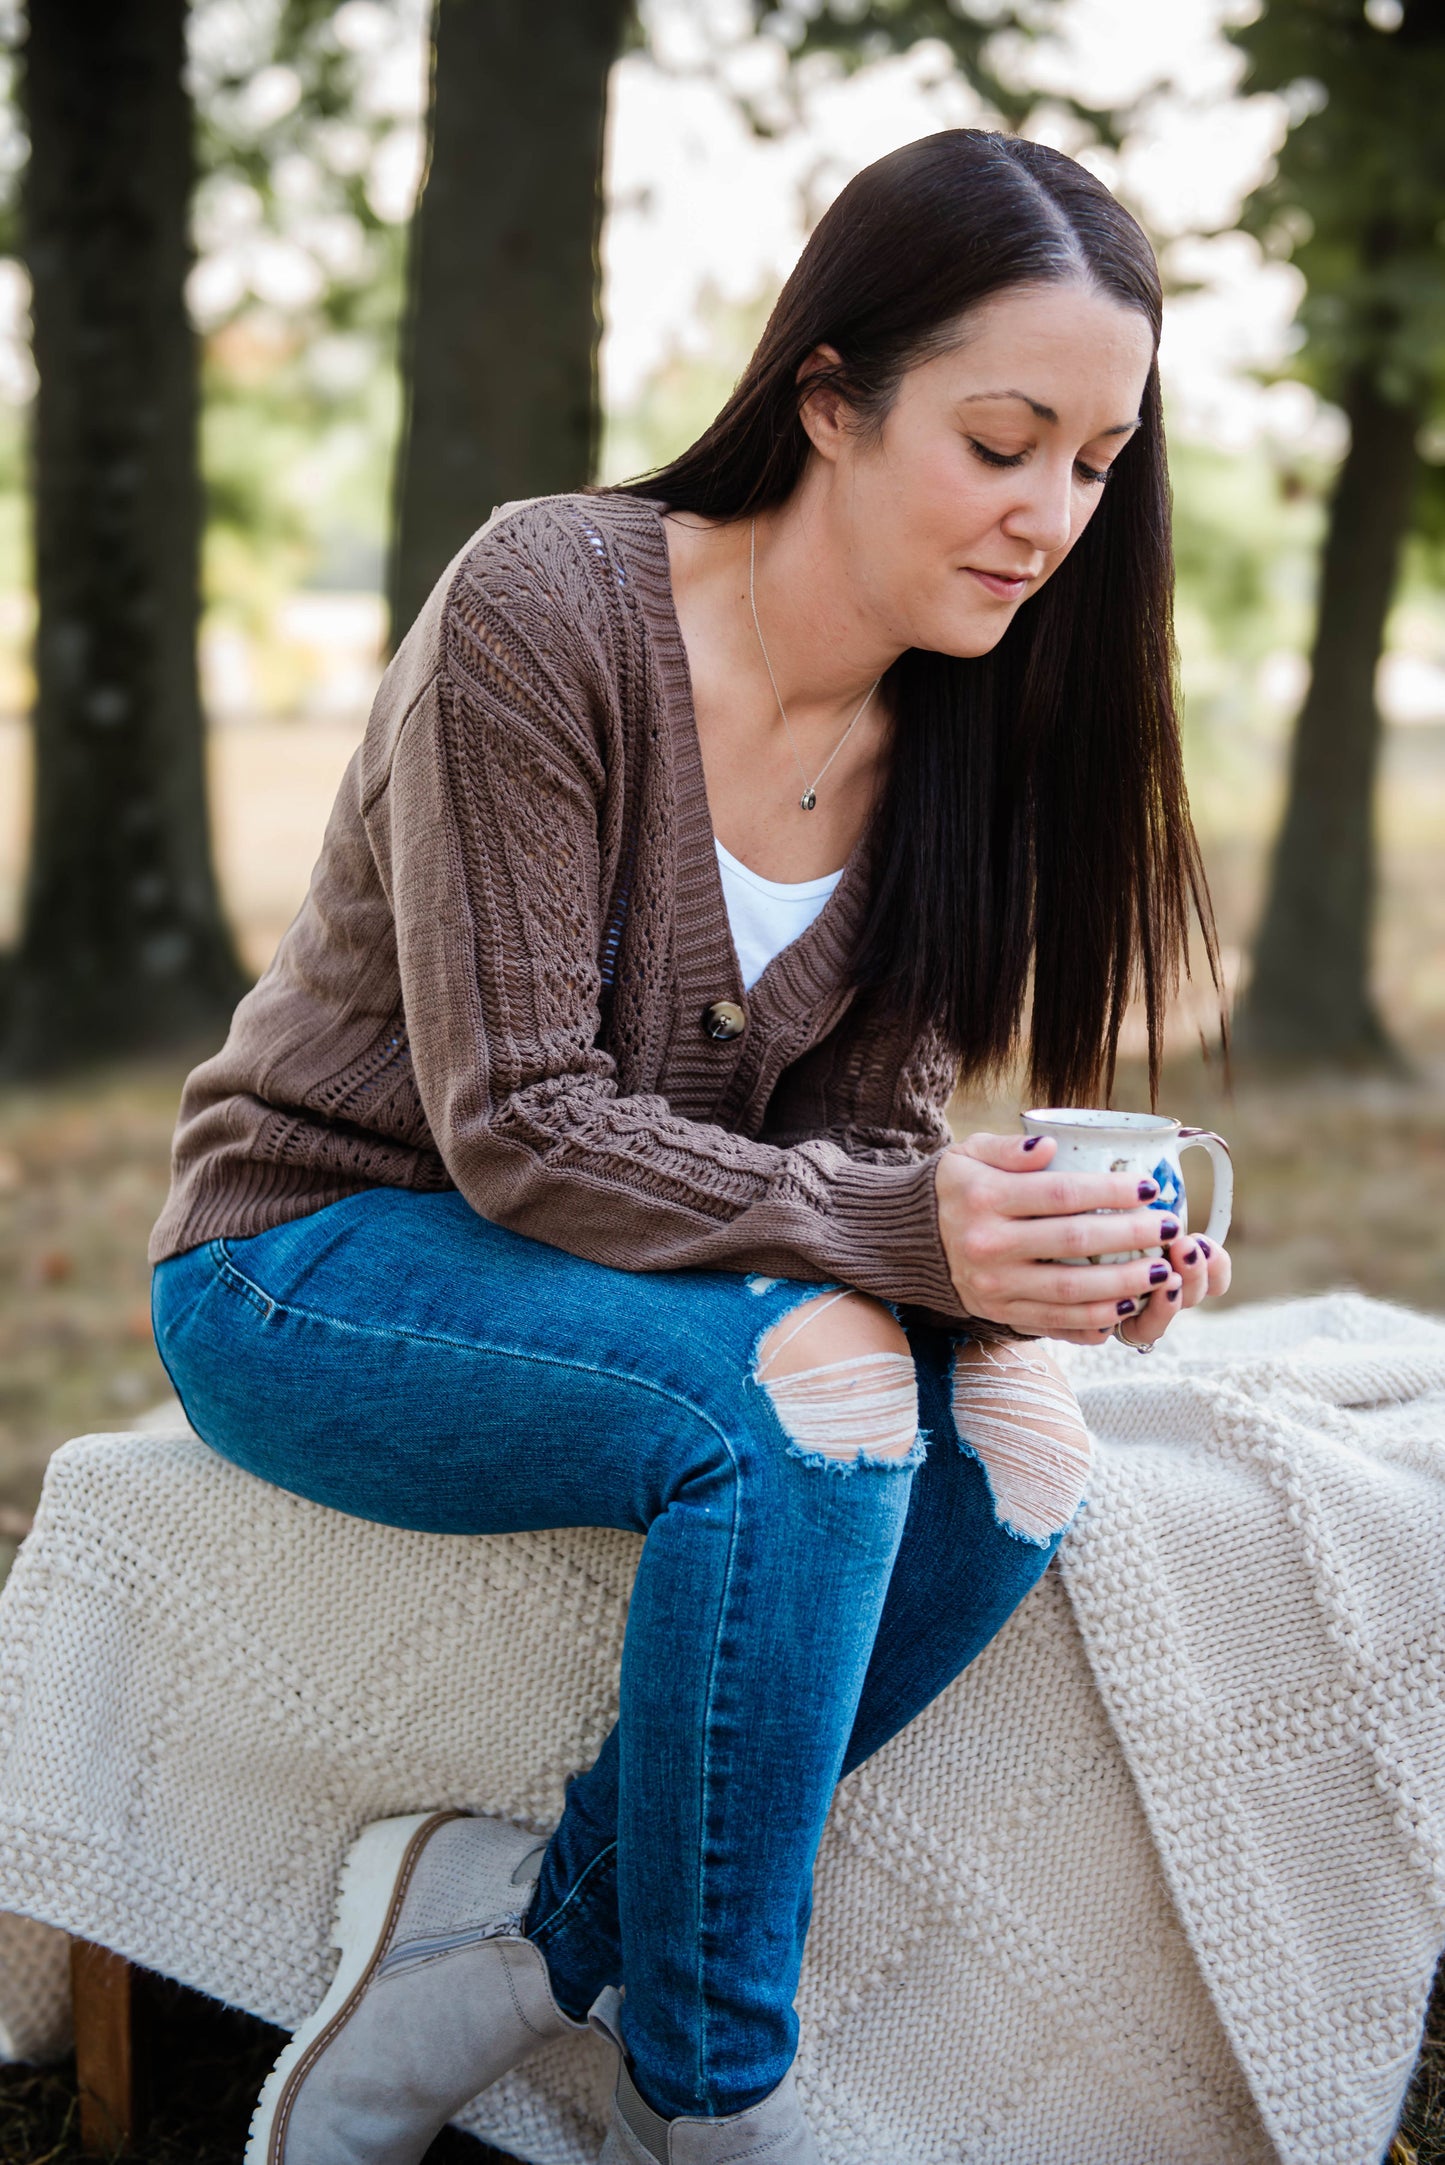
x=1002, y=1212
x=1201, y=1267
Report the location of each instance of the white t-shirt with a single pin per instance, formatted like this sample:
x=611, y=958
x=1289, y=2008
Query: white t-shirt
x=767, y=915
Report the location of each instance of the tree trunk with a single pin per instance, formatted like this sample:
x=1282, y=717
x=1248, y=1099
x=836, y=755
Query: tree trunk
x=1309, y=998
x=123, y=943
x=503, y=319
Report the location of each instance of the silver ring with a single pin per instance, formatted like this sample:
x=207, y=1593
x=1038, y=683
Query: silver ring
x=1118, y=1333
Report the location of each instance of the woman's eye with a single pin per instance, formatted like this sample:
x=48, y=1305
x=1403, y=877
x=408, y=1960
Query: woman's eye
x=997, y=458
x=1093, y=476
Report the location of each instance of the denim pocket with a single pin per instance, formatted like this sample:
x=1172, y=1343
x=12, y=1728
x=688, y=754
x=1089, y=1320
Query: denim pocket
x=230, y=1275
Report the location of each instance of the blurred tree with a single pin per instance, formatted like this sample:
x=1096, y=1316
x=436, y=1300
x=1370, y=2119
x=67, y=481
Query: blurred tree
x=1357, y=200
x=123, y=943
x=499, y=354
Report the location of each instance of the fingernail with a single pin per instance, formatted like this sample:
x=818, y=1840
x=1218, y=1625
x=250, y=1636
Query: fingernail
x=1148, y=1189
x=1158, y=1272
x=1169, y=1230
x=1204, y=1244
x=1173, y=1293
x=1191, y=1255
x=1126, y=1308
x=1033, y=1142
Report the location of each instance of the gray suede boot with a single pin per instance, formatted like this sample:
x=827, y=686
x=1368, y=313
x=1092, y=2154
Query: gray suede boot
x=436, y=1995
x=772, y=2133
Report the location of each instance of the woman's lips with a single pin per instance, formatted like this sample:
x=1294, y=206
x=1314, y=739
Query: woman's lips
x=1003, y=589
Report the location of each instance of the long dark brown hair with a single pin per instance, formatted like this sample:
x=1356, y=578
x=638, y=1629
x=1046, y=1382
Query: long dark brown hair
x=1034, y=821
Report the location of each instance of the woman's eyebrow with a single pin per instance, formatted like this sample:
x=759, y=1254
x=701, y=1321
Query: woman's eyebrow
x=1046, y=413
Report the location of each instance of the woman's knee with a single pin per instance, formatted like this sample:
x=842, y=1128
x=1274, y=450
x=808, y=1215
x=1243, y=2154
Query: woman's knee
x=1016, y=1412
x=840, y=1378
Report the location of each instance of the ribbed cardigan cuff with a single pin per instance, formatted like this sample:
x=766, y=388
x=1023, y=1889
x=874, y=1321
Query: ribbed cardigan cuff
x=887, y=1221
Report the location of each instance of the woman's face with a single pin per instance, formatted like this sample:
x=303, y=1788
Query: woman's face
x=989, y=465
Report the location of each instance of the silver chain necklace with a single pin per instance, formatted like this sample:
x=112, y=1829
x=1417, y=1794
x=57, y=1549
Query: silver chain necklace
x=809, y=800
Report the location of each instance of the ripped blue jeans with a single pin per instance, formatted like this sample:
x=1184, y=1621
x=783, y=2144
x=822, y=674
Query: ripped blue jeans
x=397, y=1357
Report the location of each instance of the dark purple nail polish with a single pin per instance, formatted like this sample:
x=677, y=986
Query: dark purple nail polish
x=1158, y=1272
x=1148, y=1189
x=1191, y=1255
x=1173, y=1293
x=1169, y=1230
x=1204, y=1244
x=1032, y=1142
x=1126, y=1308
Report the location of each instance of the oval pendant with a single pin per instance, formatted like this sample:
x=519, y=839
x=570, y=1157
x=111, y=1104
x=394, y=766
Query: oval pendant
x=809, y=800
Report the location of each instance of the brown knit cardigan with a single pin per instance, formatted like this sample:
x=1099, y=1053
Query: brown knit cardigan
x=499, y=978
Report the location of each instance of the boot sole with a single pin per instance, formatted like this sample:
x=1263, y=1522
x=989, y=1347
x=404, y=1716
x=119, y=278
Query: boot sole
x=373, y=1880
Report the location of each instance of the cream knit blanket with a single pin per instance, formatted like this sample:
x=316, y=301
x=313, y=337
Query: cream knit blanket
x=1159, y=1881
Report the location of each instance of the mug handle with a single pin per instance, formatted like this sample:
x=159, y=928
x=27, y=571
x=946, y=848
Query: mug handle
x=1219, y=1214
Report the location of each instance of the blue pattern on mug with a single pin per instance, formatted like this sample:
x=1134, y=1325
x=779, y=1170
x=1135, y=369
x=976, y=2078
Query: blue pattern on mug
x=1171, y=1188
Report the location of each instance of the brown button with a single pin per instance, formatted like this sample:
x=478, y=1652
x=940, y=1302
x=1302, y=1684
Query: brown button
x=724, y=1020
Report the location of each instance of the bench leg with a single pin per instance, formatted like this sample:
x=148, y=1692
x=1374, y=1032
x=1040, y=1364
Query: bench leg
x=108, y=2048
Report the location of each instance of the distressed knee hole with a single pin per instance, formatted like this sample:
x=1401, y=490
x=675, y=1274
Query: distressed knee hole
x=1014, y=1411
x=840, y=1379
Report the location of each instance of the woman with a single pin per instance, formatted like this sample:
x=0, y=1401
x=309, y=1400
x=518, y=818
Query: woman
x=580, y=1159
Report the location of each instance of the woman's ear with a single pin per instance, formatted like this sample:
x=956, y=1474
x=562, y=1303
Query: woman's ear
x=823, y=411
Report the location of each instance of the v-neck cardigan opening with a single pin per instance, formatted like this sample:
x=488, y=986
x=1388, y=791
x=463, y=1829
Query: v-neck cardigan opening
x=808, y=979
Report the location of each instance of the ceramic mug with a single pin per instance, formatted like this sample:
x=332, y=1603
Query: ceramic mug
x=1148, y=1145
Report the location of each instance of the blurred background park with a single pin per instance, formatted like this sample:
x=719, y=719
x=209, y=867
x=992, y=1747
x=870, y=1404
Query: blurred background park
x=292, y=292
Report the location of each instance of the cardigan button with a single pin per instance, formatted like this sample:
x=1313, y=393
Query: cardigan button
x=724, y=1020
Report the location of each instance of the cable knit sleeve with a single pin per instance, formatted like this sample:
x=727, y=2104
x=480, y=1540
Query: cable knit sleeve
x=893, y=1116
x=486, y=834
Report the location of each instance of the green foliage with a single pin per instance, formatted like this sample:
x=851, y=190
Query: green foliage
x=296, y=474
x=1244, y=542
x=1429, y=533
x=14, y=146
x=296, y=121
x=14, y=513
x=306, y=146
x=855, y=32
x=1357, y=198
x=684, y=393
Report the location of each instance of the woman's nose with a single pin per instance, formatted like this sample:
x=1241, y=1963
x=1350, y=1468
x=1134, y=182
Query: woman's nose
x=1044, y=514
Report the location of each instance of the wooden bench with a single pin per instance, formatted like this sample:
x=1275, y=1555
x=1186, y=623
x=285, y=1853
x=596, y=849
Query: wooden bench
x=111, y=2060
